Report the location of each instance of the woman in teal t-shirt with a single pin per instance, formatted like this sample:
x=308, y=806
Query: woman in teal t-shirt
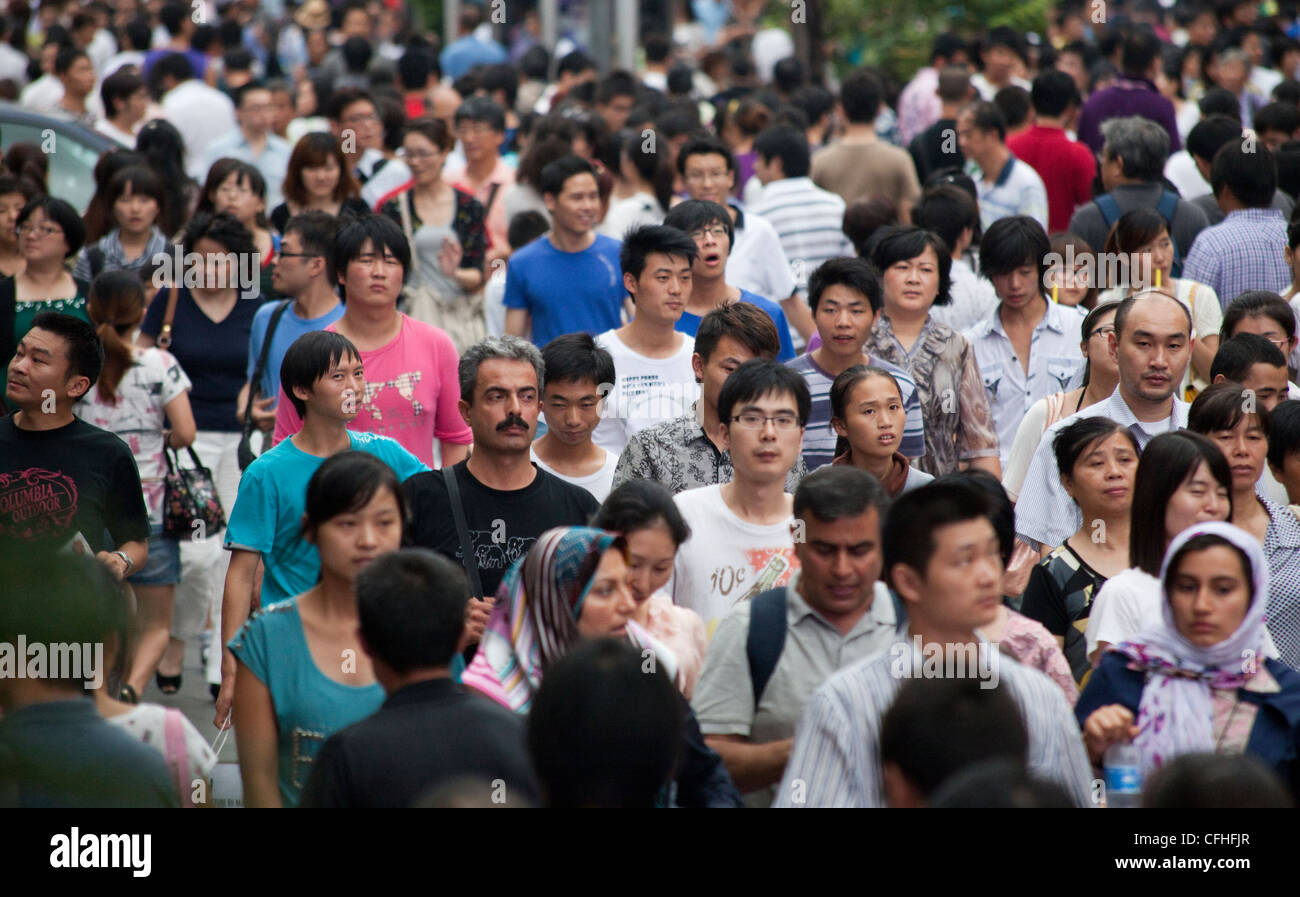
x=302, y=674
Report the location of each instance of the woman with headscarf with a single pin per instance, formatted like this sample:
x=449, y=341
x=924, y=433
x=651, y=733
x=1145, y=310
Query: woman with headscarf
x=1198, y=682
x=571, y=586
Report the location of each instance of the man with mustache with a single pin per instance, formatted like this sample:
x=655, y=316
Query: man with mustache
x=506, y=499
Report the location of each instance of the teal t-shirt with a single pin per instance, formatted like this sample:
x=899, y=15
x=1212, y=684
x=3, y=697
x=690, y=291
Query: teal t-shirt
x=267, y=516
x=309, y=706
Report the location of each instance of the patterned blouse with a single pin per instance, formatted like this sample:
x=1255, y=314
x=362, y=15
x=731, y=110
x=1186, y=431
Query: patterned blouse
x=468, y=222
x=1282, y=549
x=1029, y=643
x=1059, y=595
x=958, y=422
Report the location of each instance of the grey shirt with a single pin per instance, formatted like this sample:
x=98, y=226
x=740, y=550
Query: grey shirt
x=814, y=650
x=1089, y=223
x=1207, y=204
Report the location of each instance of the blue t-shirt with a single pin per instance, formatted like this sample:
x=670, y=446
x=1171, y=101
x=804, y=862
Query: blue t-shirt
x=289, y=329
x=309, y=706
x=267, y=515
x=567, y=292
x=213, y=353
x=689, y=323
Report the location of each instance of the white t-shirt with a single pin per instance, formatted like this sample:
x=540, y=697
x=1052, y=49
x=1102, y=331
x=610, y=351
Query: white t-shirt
x=494, y=302
x=598, y=483
x=1182, y=172
x=758, y=262
x=634, y=211
x=647, y=391
x=973, y=298
x=726, y=560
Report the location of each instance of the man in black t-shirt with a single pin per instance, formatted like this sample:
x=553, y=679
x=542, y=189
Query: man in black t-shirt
x=508, y=501
x=64, y=484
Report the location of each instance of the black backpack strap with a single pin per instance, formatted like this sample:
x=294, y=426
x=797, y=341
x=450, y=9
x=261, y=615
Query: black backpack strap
x=265, y=353
x=462, y=531
x=766, y=637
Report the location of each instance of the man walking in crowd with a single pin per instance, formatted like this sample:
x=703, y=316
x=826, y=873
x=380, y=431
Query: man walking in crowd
x=937, y=147
x=1006, y=185
x=1133, y=94
x=1066, y=166
x=481, y=127
x=578, y=373
x=254, y=142
x=920, y=105
x=354, y=120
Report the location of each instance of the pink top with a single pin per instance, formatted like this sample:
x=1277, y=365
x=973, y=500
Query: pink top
x=412, y=391
x=682, y=630
x=1029, y=642
x=480, y=676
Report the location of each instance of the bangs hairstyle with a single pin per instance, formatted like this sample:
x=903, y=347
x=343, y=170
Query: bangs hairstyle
x=62, y=214
x=907, y=537
x=345, y=484
x=1079, y=438
x=1012, y=243
x=902, y=243
x=310, y=357
x=854, y=273
x=703, y=144
x=841, y=393
x=695, y=214
x=247, y=176
x=1258, y=304
x=432, y=129
x=1168, y=461
x=761, y=377
x=137, y=180
x=641, y=504
x=1083, y=251
x=1135, y=229
x=1201, y=543
x=1221, y=406
x=574, y=358
x=642, y=242
x=1284, y=432
x=314, y=150
x=744, y=322
x=556, y=174
x=947, y=210
x=382, y=233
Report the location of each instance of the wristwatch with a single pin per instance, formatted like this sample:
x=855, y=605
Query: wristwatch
x=127, y=560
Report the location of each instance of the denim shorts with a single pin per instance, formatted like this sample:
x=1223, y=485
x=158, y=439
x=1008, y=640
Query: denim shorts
x=163, y=568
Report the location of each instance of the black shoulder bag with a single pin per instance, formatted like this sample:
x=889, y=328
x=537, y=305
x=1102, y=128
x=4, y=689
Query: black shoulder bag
x=244, y=454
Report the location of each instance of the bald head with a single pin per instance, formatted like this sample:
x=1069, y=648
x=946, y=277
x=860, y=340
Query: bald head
x=1152, y=347
x=1153, y=298
x=445, y=102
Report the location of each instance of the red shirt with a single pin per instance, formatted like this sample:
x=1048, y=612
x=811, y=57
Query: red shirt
x=1066, y=166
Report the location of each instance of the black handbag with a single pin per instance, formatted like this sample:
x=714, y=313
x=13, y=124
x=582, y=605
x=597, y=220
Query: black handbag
x=191, y=505
x=244, y=454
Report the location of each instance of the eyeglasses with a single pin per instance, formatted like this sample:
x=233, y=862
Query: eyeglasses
x=361, y=119
x=753, y=421
x=44, y=231
x=1103, y=330
x=717, y=233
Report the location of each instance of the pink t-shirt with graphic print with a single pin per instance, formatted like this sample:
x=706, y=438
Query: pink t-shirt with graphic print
x=412, y=390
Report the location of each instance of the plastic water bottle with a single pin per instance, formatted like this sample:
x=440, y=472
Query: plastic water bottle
x=1123, y=766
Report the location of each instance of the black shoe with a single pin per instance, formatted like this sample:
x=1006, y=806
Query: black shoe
x=128, y=695
x=168, y=685
x=214, y=689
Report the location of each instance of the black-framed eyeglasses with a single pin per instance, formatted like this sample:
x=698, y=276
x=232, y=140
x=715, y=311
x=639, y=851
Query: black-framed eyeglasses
x=301, y=255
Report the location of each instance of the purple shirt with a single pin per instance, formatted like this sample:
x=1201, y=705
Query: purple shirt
x=1127, y=96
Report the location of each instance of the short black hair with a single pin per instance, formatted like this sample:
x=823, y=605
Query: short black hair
x=1216, y=782
x=987, y=118
x=61, y=213
x=574, y=63
x=861, y=94
x=575, y=357
x=901, y=243
x=1249, y=176
x=1283, y=432
x=67, y=56
x=1004, y=784
x=602, y=732
x=344, y=97
x=638, y=504
x=815, y=101
x=525, y=227
x=704, y=144
x=317, y=231
x=836, y=491
x=938, y=727
x=1167, y=462
x=1073, y=441
x=744, y=322
x=1258, y=304
x=243, y=90
x=411, y=608
x=946, y=45
x=1002, y=511
x=118, y=88
x=1013, y=242
x=382, y=233
x=759, y=377
x=1139, y=49
x=1284, y=117
x=618, y=83
x=1053, y=93
x=691, y=215
x=789, y=74
x=642, y=242
x=1014, y=103
x=556, y=174
x=1221, y=406
x=658, y=47
x=1220, y=101
x=310, y=357
x=855, y=273
x=415, y=66
x=1209, y=134
x=947, y=210
x=85, y=351
x=1237, y=355
x=173, y=65
x=787, y=144
x=908, y=534
x=1288, y=170
x=482, y=109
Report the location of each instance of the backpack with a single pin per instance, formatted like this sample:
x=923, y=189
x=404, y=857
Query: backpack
x=1166, y=207
x=766, y=637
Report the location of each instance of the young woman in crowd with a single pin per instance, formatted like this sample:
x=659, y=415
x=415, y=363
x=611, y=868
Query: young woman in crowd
x=1073, y=285
x=1141, y=236
x=571, y=586
x=914, y=266
x=239, y=189
x=189, y=759
x=303, y=674
x=1100, y=377
x=49, y=233
x=319, y=178
x=209, y=334
x=164, y=149
x=1098, y=460
x=867, y=412
x=1229, y=416
x=1264, y=313
x=98, y=216
x=142, y=395
x=1182, y=479
x=1198, y=680
x=15, y=193
x=135, y=200
x=644, y=512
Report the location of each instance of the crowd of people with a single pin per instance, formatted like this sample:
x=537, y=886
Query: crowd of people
x=720, y=433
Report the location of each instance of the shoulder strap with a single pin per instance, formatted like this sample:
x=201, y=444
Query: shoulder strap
x=408, y=228
x=261, y=358
x=177, y=756
x=1167, y=206
x=492, y=195
x=462, y=531
x=766, y=637
x=164, y=340
x=1109, y=209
